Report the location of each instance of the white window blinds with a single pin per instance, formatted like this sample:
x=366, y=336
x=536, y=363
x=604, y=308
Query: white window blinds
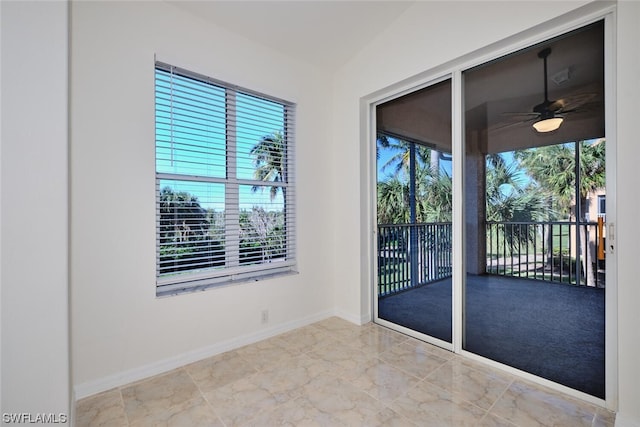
x=224, y=183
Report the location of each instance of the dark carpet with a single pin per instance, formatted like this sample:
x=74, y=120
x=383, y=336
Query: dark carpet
x=551, y=330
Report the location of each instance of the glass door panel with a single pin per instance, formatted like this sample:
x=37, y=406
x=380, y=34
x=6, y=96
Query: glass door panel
x=534, y=188
x=414, y=212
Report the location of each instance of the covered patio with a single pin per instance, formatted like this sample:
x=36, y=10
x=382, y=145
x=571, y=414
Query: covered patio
x=552, y=330
x=530, y=307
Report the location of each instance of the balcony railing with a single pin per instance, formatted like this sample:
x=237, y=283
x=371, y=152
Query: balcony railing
x=560, y=251
x=411, y=255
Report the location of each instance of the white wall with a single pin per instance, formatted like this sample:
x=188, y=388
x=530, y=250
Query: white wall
x=430, y=34
x=121, y=331
x=34, y=209
x=628, y=207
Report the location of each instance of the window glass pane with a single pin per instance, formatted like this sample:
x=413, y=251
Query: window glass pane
x=260, y=143
x=191, y=231
x=262, y=224
x=190, y=126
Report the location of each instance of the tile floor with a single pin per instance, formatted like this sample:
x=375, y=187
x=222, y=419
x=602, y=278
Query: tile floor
x=334, y=373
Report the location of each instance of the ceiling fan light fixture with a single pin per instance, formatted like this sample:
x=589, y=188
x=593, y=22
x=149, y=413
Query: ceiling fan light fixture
x=548, y=125
x=547, y=121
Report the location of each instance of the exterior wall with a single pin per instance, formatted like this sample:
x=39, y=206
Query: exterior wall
x=593, y=201
x=591, y=216
x=121, y=331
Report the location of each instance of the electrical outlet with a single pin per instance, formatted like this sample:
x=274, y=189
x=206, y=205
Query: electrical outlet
x=265, y=316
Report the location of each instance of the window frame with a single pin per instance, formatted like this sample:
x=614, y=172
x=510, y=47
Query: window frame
x=602, y=205
x=199, y=278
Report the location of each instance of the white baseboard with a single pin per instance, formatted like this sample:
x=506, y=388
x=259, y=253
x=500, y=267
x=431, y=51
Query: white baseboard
x=623, y=420
x=358, y=320
x=107, y=383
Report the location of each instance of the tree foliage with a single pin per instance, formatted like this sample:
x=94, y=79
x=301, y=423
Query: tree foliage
x=509, y=196
x=433, y=189
x=262, y=235
x=269, y=161
x=399, y=162
x=539, y=185
x=193, y=237
x=553, y=169
x=186, y=236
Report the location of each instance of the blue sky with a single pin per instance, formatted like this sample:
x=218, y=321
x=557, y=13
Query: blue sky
x=191, y=132
x=386, y=154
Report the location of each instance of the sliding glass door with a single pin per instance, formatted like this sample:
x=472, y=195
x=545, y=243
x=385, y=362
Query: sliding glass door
x=414, y=207
x=534, y=174
x=491, y=214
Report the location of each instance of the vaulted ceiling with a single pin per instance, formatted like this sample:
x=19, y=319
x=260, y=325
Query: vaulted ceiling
x=322, y=33
x=319, y=32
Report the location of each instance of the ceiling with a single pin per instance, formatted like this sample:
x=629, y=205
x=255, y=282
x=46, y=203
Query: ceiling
x=322, y=33
x=500, y=95
x=319, y=32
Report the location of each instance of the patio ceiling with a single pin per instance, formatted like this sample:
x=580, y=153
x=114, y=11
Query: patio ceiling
x=512, y=84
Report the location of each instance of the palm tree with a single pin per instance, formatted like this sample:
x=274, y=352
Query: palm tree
x=433, y=198
x=509, y=198
x=393, y=201
x=182, y=219
x=553, y=168
x=417, y=192
x=400, y=161
x=432, y=187
x=269, y=162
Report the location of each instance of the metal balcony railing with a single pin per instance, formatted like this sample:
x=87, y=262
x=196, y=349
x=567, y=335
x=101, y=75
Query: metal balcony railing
x=411, y=255
x=559, y=251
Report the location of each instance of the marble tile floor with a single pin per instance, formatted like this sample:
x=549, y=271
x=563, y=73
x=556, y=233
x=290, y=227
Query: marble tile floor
x=334, y=373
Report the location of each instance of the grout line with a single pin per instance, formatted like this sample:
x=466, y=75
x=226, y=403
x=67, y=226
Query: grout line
x=124, y=408
x=204, y=397
x=500, y=397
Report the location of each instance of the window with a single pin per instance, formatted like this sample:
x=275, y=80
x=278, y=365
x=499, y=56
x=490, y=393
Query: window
x=224, y=183
x=602, y=206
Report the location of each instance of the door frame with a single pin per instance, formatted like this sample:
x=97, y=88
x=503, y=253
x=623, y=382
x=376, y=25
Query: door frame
x=453, y=69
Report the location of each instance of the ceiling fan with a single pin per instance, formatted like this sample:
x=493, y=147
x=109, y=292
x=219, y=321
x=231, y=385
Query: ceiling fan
x=549, y=115
x=547, y=119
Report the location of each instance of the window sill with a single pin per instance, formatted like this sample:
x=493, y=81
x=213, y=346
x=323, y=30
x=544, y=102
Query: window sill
x=216, y=283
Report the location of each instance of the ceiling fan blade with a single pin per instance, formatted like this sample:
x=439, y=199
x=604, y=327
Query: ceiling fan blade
x=503, y=126
x=514, y=114
x=573, y=102
x=557, y=105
